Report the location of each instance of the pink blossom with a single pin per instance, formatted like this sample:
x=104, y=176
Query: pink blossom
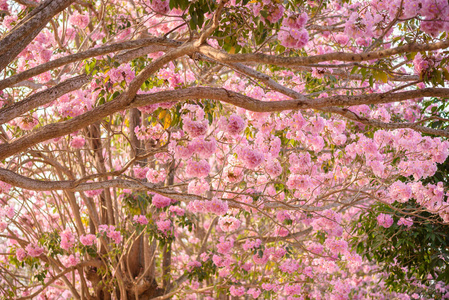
x=34, y=250
x=203, y=148
x=141, y=219
x=297, y=21
x=234, y=125
x=67, y=239
x=140, y=172
x=248, y=245
x=156, y=176
x=299, y=182
x=115, y=235
x=88, y=239
x=195, y=128
x=293, y=38
x=254, y=292
x=193, y=264
x=160, y=201
x=3, y=226
x=273, y=168
x=406, y=222
x=342, y=38
x=77, y=142
x=4, y=187
x=251, y=158
x=164, y=226
x=289, y=266
x=400, y=192
x=228, y=223
x=336, y=246
x=420, y=64
x=21, y=254
x=121, y=73
x=224, y=247
x=217, y=206
x=72, y=260
x=281, y=231
x=199, y=169
x=385, y=220
x=160, y=6
x=177, y=210
x=233, y=174
x=237, y=291
x=93, y=193
x=198, y=187
x=80, y=20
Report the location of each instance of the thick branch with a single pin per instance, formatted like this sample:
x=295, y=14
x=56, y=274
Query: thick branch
x=83, y=55
x=302, y=61
x=59, y=129
x=24, y=32
x=41, y=98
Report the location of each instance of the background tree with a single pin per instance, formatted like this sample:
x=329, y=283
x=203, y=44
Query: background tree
x=211, y=149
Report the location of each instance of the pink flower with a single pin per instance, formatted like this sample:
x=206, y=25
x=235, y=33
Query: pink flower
x=293, y=38
x=342, y=38
x=141, y=219
x=67, y=239
x=237, y=291
x=193, y=264
x=251, y=158
x=34, y=250
x=155, y=176
x=73, y=260
x=224, y=247
x=93, y=193
x=228, y=223
x=195, y=128
x=199, y=169
x=198, y=187
x=160, y=6
x=21, y=254
x=79, y=20
x=336, y=246
x=234, y=125
x=385, y=220
x=3, y=226
x=251, y=244
x=297, y=21
x=400, y=192
x=217, y=206
x=77, y=142
x=233, y=174
x=273, y=168
x=115, y=235
x=140, y=172
x=163, y=226
x=203, y=148
x=289, y=266
x=88, y=239
x=406, y=222
x=160, y=201
x=177, y=210
x=299, y=182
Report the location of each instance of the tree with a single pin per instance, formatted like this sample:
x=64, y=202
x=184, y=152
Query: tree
x=157, y=149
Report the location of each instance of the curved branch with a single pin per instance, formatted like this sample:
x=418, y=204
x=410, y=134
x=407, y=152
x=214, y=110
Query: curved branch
x=83, y=55
x=301, y=61
x=23, y=33
x=42, y=98
x=124, y=101
x=415, y=126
